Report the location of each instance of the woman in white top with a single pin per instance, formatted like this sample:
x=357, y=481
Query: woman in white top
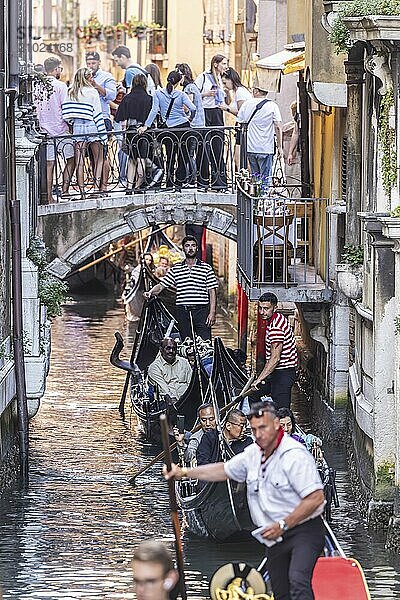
x=213, y=96
x=237, y=91
x=238, y=94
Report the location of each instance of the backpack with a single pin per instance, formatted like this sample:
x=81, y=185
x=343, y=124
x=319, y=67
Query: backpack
x=134, y=68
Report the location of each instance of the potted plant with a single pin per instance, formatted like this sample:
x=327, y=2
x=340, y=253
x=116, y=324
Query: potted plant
x=364, y=20
x=349, y=271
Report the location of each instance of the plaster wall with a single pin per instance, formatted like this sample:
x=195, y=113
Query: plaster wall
x=321, y=60
x=272, y=37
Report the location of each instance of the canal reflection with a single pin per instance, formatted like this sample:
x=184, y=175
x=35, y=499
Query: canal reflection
x=72, y=535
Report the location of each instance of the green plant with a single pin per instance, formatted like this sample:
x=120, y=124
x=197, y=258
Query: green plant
x=52, y=292
x=387, y=144
x=353, y=255
x=340, y=35
x=396, y=212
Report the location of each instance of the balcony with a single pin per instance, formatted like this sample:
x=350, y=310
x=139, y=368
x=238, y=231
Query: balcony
x=157, y=44
x=283, y=244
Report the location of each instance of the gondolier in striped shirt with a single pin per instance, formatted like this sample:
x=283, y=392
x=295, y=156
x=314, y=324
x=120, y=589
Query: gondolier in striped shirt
x=279, y=373
x=196, y=292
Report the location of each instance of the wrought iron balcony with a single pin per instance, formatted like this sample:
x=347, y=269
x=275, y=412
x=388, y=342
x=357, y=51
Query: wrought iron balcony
x=283, y=244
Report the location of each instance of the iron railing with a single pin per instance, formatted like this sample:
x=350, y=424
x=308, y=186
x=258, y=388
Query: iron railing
x=278, y=238
x=129, y=162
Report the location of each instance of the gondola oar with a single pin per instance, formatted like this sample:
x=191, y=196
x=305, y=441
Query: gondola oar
x=172, y=447
x=174, y=508
x=197, y=356
x=113, y=252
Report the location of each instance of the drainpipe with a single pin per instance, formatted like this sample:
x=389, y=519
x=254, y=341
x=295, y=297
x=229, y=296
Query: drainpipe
x=140, y=40
x=354, y=68
x=16, y=259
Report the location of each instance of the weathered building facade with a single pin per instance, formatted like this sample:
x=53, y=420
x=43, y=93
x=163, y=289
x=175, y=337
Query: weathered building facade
x=174, y=31
x=36, y=328
x=352, y=120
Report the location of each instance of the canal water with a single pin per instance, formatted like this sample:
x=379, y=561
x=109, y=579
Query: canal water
x=73, y=533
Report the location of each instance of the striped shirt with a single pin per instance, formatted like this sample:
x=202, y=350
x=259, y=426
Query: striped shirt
x=87, y=107
x=278, y=329
x=192, y=284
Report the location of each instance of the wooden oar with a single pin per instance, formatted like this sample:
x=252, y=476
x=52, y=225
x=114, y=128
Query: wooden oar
x=172, y=447
x=174, y=508
x=113, y=252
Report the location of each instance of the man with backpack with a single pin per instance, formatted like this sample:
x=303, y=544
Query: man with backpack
x=263, y=120
x=122, y=56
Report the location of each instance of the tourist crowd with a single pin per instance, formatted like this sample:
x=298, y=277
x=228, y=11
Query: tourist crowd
x=154, y=135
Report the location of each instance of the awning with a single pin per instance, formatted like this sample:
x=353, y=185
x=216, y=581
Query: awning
x=329, y=94
x=271, y=68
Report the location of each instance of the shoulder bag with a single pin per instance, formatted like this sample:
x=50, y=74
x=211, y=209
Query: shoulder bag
x=257, y=108
x=163, y=122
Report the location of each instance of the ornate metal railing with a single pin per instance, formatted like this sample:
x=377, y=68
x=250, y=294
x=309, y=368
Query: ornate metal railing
x=279, y=237
x=128, y=162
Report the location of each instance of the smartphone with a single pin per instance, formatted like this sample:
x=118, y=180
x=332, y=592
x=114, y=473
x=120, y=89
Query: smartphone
x=180, y=423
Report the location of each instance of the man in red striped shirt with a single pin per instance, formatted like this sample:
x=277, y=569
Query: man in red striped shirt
x=279, y=373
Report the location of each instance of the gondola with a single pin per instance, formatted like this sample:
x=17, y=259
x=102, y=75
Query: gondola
x=327, y=474
x=218, y=511
x=335, y=576
x=155, y=323
x=143, y=278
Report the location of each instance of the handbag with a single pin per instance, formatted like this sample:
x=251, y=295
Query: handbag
x=163, y=122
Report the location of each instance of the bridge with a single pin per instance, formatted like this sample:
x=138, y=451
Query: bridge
x=283, y=240
x=75, y=230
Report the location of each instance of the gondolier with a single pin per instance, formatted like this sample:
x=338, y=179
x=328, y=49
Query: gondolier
x=279, y=372
x=196, y=292
x=285, y=496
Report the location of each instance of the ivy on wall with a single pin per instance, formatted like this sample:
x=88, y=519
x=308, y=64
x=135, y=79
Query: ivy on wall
x=387, y=144
x=52, y=292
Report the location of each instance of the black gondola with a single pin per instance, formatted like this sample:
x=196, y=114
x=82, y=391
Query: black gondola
x=218, y=510
x=215, y=510
x=143, y=278
x=155, y=323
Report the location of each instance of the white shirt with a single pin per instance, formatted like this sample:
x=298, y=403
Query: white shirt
x=241, y=94
x=204, y=82
x=277, y=487
x=260, y=133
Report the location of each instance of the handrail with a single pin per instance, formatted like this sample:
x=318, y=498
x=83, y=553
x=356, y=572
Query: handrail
x=126, y=162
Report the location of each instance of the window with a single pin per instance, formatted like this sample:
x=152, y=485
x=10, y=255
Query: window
x=160, y=12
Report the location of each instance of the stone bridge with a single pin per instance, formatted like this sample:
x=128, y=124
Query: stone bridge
x=75, y=230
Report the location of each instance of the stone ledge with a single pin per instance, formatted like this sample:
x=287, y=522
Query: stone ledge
x=138, y=200
x=379, y=514
x=393, y=535
x=373, y=27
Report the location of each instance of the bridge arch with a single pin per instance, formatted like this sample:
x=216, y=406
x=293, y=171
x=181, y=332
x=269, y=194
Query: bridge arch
x=213, y=218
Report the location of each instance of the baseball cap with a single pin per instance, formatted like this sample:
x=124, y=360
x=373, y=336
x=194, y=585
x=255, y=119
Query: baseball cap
x=92, y=55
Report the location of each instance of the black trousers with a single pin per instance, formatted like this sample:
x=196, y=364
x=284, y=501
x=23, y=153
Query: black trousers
x=278, y=385
x=177, y=155
x=210, y=151
x=199, y=315
x=291, y=562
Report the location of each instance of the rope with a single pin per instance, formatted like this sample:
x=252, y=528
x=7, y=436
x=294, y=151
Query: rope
x=234, y=591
